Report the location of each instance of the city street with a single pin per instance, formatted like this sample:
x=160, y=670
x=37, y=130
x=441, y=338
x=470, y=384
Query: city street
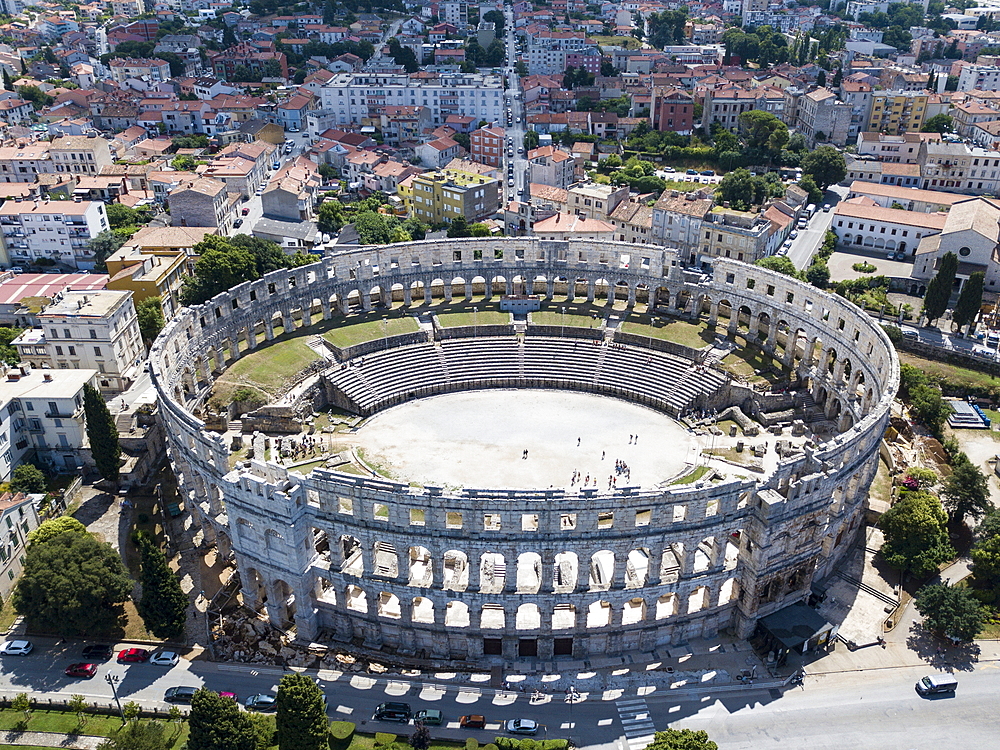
x=300, y=144
x=809, y=240
x=874, y=709
x=515, y=132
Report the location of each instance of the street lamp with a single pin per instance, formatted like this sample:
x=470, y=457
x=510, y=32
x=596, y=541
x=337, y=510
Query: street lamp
x=113, y=680
x=475, y=322
x=562, y=321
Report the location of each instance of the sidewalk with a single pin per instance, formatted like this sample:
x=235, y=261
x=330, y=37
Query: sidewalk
x=52, y=739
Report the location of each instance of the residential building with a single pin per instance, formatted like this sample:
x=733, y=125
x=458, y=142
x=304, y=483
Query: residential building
x=486, y=145
x=896, y=112
x=903, y=148
x=979, y=78
x=357, y=97
x=41, y=416
x=573, y=227
x=259, y=58
x=398, y=123
x=911, y=199
x=435, y=154
x=595, y=200
x=59, y=231
x=124, y=68
x=677, y=220
x=18, y=518
x=633, y=223
x=169, y=242
x=148, y=275
x=740, y=235
x=88, y=331
x=671, y=109
x=862, y=223
x=24, y=295
x=859, y=97
x=549, y=165
x=203, y=202
x=436, y=197
x=968, y=114
x=24, y=163
x=823, y=117
x=289, y=195
x=15, y=111
x=960, y=168
x=80, y=154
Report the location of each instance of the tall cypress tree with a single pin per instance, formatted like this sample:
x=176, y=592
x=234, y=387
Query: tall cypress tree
x=216, y=723
x=939, y=290
x=103, y=434
x=301, y=714
x=969, y=300
x=163, y=605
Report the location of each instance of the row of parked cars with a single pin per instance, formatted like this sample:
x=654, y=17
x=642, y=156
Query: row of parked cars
x=398, y=711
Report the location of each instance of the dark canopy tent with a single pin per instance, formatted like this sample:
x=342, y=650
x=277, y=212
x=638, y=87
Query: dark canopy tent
x=794, y=628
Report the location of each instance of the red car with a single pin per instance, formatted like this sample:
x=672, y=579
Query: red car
x=133, y=655
x=246, y=210
x=81, y=670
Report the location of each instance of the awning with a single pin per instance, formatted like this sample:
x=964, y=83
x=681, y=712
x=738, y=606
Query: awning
x=795, y=625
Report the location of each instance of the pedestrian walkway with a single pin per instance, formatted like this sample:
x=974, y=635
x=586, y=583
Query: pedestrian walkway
x=637, y=724
x=52, y=739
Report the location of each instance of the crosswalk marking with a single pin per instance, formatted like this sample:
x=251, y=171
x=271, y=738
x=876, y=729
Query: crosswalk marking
x=636, y=723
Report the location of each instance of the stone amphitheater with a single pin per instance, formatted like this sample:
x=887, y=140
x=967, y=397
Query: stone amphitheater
x=474, y=574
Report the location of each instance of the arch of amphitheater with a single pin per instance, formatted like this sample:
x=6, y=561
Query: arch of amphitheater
x=450, y=575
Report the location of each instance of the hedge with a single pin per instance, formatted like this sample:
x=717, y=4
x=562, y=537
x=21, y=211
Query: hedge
x=342, y=730
x=384, y=739
x=512, y=743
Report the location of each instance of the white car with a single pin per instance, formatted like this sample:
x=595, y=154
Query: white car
x=522, y=726
x=165, y=659
x=16, y=648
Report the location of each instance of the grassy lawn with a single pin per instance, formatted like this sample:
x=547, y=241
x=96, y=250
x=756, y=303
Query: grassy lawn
x=357, y=329
x=66, y=722
x=731, y=454
x=694, y=335
x=265, y=370
x=553, y=317
x=694, y=476
x=962, y=376
x=469, y=318
x=747, y=363
x=628, y=42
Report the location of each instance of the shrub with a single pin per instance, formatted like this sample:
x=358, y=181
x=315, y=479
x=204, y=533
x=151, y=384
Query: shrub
x=490, y=746
x=864, y=267
x=384, y=739
x=472, y=744
x=342, y=730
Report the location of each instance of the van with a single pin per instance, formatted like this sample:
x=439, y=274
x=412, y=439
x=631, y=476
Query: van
x=933, y=684
x=392, y=711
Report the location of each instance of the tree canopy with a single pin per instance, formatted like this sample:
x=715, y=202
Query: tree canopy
x=682, y=739
x=53, y=527
x=970, y=299
x=29, y=479
x=916, y=535
x=102, y=431
x=150, y=315
x=163, y=605
x=950, y=611
x=966, y=491
x=301, y=714
x=217, y=723
x=8, y=353
x=940, y=123
x=826, y=165
x=939, y=289
x=73, y=585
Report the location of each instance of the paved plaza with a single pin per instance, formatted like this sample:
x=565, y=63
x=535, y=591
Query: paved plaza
x=477, y=439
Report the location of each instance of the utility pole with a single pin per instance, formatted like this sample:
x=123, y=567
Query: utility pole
x=113, y=680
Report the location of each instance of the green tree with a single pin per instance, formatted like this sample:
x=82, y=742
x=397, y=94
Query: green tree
x=163, y=605
x=72, y=584
x=78, y=705
x=190, y=141
x=916, y=537
x=780, y=263
x=216, y=723
x=421, y=737
x=826, y=165
x=330, y=217
x=940, y=123
x=102, y=433
x=398, y=234
x=740, y=188
x=939, y=289
x=264, y=729
x=38, y=98
x=103, y=246
x=970, y=299
x=373, y=228
x=808, y=184
x=966, y=491
x=818, y=274
x=301, y=714
x=985, y=565
x=218, y=268
x=150, y=314
x=530, y=140
x=682, y=739
x=952, y=612
x=8, y=353
x=763, y=130
x=184, y=163
x=29, y=479
x=138, y=735
x=53, y=527
x=22, y=703
x=458, y=227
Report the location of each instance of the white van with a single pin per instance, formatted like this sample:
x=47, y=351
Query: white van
x=933, y=684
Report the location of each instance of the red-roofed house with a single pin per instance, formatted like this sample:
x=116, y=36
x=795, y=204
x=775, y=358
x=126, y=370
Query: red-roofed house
x=435, y=154
x=486, y=146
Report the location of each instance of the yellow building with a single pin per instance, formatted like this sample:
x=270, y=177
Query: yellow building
x=154, y=263
x=897, y=112
x=439, y=197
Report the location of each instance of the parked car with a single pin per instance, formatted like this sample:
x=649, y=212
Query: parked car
x=429, y=716
x=826, y=208
x=934, y=684
x=98, y=652
x=179, y=694
x=165, y=659
x=669, y=169
x=522, y=726
x=246, y=210
x=238, y=223
x=475, y=721
x=692, y=171
x=708, y=173
x=16, y=648
x=261, y=702
x=890, y=256
x=793, y=234
x=231, y=696
x=81, y=670
x=392, y=711
x=133, y=655
x=900, y=256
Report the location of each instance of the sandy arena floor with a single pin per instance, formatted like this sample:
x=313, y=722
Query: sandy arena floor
x=477, y=438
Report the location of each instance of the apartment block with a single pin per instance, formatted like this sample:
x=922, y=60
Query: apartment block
x=88, y=331
x=548, y=165
x=146, y=69
x=739, y=235
x=486, y=146
x=203, y=202
x=435, y=197
x=59, y=231
x=80, y=154
x=896, y=112
x=18, y=518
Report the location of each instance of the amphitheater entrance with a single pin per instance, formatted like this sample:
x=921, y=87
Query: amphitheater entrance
x=525, y=439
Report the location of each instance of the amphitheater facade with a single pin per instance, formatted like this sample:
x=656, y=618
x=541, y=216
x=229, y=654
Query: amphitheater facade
x=478, y=573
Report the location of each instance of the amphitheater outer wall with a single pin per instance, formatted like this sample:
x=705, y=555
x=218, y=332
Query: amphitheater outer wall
x=417, y=572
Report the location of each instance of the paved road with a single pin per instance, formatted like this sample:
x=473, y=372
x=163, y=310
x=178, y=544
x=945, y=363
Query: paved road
x=809, y=240
x=389, y=34
x=875, y=709
x=300, y=143
x=516, y=131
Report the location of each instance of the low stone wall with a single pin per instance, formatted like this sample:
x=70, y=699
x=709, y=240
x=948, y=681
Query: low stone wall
x=377, y=345
x=492, y=330
x=566, y=332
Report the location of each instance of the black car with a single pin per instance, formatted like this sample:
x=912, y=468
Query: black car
x=98, y=652
x=392, y=712
x=238, y=223
x=180, y=694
